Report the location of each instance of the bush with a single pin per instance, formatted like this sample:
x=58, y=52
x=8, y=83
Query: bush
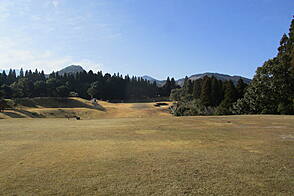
x=220, y=110
x=241, y=107
x=191, y=108
x=286, y=108
x=224, y=108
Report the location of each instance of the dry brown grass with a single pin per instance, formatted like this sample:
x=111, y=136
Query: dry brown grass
x=229, y=155
x=47, y=108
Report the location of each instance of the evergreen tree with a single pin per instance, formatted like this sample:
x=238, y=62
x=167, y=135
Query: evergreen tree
x=167, y=87
x=272, y=88
x=197, y=88
x=188, y=86
x=39, y=88
x=62, y=91
x=230, y=96
x=173, y=83
x=241, y=86
x=206, y=92
x=11, y=77
x=214, y=93
x=21, y=74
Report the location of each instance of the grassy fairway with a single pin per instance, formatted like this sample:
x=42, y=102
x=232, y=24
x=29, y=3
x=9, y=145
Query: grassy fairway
x=49, y=107
x=236, y=155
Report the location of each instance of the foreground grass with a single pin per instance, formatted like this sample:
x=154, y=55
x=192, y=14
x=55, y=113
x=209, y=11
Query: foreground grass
x=236, y=155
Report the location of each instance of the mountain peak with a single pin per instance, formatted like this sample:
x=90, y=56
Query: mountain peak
x=72, y=69
x=149, y=78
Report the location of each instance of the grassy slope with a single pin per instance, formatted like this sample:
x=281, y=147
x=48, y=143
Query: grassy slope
x=54, y=108
x=236, y=155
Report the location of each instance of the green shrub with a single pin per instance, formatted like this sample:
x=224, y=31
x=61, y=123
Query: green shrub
x=191, y=108
x=286, y=108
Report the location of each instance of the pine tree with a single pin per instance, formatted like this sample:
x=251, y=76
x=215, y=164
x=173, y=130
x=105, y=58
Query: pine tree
x=11, y=76
x=206, y=91
x=173, y=83
x=241, y=86
x=230, y=96
x=167, y=87
x=214, y=93
x=21, y=74
x=197, y=88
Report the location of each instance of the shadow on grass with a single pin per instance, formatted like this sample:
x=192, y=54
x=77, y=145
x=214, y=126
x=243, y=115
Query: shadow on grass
x=55, y=102
x=30, y=114
x=13, y=115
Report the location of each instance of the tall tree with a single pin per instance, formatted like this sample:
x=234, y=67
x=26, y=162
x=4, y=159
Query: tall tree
x=230, y=96
x=21, y=73
x=167, y=87
x=197, y=88
x=206, y=91
x=214, y=93
x=240, y=87
x=272, y=88
x=173, y=83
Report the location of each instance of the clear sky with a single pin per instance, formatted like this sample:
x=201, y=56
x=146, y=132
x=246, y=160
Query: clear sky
x=159, y=38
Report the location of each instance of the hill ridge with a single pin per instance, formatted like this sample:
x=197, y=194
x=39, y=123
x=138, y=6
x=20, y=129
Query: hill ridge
x=219, y=76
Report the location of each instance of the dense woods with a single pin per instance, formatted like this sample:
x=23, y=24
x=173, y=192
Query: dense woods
x=83, y=84
x=207, y=96
x=272, y=88
x=270, y=92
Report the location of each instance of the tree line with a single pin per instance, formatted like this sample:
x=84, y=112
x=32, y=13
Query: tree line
x=83, y=84
x=206, y=96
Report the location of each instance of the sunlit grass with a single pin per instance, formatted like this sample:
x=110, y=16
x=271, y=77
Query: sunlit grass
x=232, y=155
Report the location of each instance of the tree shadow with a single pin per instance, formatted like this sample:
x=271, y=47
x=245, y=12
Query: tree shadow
x=56, y=102
x=13, y=115
x=30, y=114
x=98, y=106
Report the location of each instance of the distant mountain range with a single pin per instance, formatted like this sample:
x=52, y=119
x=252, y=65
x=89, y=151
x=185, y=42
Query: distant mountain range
x=158, y=82
x=218, y=76
x=73, y=69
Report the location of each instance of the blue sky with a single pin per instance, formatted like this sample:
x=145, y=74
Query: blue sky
x=159, y=38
